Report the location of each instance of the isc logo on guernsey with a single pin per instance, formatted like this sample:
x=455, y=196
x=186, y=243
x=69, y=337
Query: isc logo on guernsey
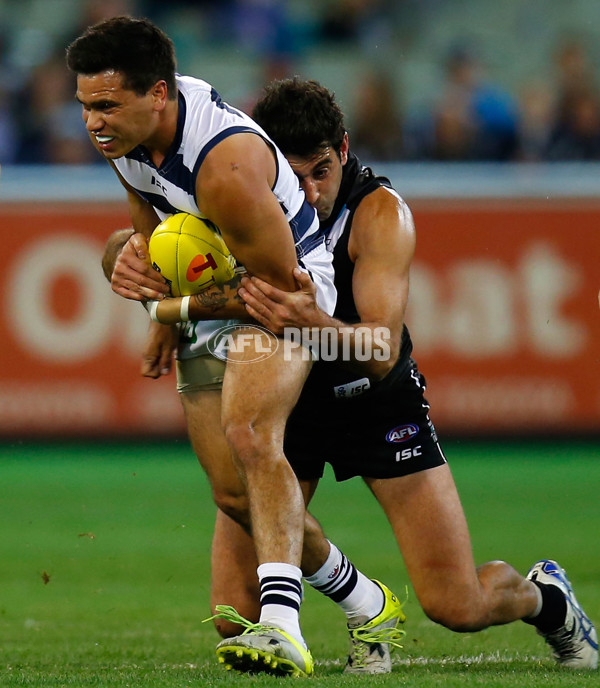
x=402, y=433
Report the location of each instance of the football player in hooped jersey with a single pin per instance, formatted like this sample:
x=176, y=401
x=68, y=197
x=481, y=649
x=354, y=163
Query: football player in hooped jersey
x=370, y=231
x=176, y=146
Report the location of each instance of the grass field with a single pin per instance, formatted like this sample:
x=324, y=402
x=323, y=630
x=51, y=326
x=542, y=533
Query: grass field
x=104, y=568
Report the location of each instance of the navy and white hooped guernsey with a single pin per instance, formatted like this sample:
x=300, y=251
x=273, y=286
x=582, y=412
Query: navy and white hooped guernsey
x=204, y=120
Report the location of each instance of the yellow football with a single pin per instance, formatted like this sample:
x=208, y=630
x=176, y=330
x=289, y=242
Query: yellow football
x=190, y=254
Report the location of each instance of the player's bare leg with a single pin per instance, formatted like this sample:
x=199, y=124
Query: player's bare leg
x=203, y=419
x=428, y=521
x=233, y=574
x=430, y=527
x=258, y=396
x=233, y=559
x=256, y=402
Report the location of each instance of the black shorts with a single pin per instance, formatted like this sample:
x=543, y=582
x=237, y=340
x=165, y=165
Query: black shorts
x=374, y=431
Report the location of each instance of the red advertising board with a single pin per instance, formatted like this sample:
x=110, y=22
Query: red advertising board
x=71, y=348
x=503, y=312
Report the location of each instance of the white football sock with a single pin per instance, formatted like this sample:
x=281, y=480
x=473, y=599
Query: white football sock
x=280, y=597
x=360, y=598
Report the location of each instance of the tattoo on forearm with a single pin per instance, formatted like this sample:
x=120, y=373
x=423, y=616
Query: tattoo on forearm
x=212, y=299
x=216, y=297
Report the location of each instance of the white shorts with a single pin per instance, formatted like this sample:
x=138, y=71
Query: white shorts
x=200, y=373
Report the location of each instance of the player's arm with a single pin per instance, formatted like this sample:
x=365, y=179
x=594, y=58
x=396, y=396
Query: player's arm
x=126, y=261
x=381, y=245
x=126, y=264
x=234, y=189
x=218, y=302
x=113, y=247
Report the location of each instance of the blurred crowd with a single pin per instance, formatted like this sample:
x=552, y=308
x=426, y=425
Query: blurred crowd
x=470, y=117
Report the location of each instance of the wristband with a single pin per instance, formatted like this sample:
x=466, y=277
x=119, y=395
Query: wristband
x=151, y=307
x=184, y=311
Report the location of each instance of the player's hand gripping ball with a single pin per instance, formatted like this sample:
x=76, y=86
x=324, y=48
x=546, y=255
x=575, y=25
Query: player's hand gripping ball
x=190, y=254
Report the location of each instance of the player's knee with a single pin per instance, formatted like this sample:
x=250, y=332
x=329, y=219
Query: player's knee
x=233, y=505
x=462, y=615
x=243, y=440
x=249, y=442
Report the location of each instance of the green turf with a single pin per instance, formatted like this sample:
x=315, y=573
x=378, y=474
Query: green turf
x=104, y=570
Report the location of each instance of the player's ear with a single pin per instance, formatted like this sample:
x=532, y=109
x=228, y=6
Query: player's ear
x=344, y=149
x=159, y=94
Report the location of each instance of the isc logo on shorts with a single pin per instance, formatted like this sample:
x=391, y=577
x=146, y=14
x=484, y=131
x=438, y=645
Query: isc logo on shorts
x=402, y=433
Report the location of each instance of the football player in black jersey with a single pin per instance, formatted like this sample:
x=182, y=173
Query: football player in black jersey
x=369, y=418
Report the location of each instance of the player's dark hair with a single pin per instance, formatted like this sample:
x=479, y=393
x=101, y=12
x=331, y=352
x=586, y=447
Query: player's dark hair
x=134, y=47
x=300, y=116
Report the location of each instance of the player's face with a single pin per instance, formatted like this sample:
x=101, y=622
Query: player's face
x=320, y=176
x=118, y=119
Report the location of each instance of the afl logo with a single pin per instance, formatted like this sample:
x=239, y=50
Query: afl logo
x=253, y=341
x=402, y=433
